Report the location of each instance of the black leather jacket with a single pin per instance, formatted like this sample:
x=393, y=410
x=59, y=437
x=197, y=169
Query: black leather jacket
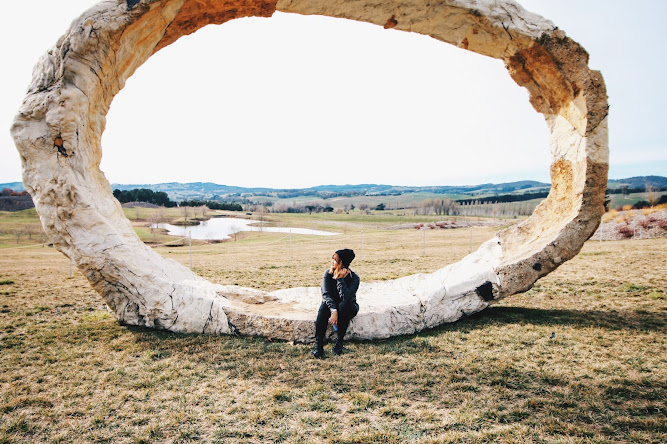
x=335, y=291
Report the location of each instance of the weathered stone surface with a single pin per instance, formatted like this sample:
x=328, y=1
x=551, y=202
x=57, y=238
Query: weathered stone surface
x=58, y=132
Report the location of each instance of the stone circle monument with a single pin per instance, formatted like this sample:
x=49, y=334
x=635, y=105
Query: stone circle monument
x=58, y=134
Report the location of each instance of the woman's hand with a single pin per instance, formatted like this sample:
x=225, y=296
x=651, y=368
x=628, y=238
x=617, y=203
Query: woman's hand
x=343, y=272
x=333, y=320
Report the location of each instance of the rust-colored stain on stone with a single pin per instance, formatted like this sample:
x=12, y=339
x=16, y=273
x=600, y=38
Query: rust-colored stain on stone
x=537, y=70
x=562, y=183
x=572, y=60
x=555, y=71
x=196, y=14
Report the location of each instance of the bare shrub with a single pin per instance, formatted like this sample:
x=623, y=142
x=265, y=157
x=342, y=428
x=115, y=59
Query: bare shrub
x=19, y=233
x=646, y=223
x=652, y=194
x=157, y=217
x=33, y=230
x=185, y=210
x=625, y=231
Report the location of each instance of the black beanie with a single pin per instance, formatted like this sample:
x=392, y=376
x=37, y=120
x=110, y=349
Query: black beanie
x=346, y=256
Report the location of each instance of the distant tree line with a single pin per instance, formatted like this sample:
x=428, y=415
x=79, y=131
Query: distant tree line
x=445, y=206
x=497, y=209
x=625, y=190
x=286, y=194
x=212, y=204
x=646, y=204
x=505, y=198
x=449, y=207
x=294, y=193
x=541, y=195
x=144, y=195
x=628, y=190
x=11, y=200
x=306, y=208
x=7, y=192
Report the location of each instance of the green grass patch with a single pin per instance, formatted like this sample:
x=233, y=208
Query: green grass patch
x=634, y=288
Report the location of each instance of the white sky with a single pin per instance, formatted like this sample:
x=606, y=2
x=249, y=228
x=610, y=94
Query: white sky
x=297, y=101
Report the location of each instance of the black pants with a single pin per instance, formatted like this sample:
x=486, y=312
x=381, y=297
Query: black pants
x=346, y=312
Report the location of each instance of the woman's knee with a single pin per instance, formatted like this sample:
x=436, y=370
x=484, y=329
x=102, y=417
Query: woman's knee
x=350, y=310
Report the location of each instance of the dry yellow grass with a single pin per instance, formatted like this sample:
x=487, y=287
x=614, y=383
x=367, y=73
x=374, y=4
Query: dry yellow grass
x=651, y=210
x=580, y=358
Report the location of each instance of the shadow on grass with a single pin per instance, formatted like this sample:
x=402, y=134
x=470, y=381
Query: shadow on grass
x=493, y=316
x=638, y=320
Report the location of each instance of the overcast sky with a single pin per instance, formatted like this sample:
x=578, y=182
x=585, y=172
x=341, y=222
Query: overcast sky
x=297, y=101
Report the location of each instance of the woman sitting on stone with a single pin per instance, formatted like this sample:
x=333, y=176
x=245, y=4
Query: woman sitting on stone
x=339, y=301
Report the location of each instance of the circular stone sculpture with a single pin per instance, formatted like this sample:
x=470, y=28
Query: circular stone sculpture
x=58, y=134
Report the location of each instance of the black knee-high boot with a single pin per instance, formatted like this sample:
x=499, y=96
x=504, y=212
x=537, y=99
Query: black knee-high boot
x=318, y=350
x=343, y=323
x=338, y=348
x=345, y=315
x=342, y=329
x=320, y=330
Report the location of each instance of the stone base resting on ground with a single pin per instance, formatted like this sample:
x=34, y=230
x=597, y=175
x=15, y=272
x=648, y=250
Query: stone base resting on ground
x=58, y=134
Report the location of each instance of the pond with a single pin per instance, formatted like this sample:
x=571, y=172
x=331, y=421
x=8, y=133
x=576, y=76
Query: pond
x=223, y=227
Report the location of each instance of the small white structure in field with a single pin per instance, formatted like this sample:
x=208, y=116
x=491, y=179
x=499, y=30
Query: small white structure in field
x=58, y=134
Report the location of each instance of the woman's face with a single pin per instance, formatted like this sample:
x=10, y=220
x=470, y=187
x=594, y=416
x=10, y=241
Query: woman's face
x=335, y=262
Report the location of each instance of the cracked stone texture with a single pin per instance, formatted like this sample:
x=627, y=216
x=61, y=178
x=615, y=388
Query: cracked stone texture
x=58, y=134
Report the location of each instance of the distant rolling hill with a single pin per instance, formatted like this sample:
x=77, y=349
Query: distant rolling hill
x=14, y=186
x=639, y=182
x=208, y=190
x=212, y=191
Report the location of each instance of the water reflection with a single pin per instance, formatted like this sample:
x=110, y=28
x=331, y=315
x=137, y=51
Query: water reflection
x=223, y=227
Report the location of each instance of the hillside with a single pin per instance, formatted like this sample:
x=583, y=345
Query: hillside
x=639, y=182
x=15, y=186
x=208, y=190
x=211, y=191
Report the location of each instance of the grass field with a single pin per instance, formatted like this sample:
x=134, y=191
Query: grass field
x=582, y=357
